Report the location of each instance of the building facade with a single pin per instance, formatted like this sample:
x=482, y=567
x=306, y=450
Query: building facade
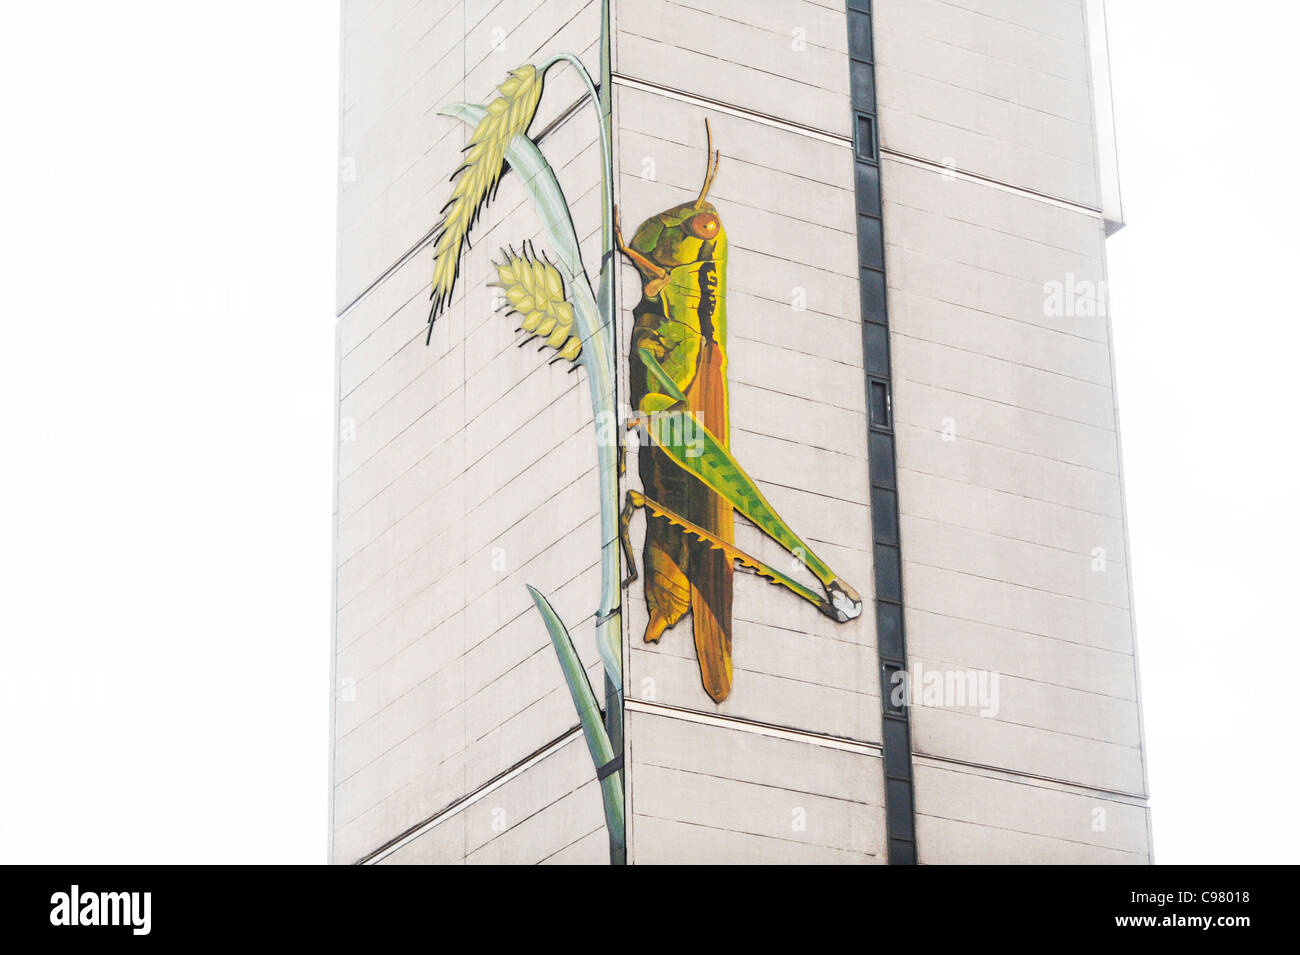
x=885, y=304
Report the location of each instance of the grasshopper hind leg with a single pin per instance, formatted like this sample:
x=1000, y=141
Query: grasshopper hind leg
x=845, y=603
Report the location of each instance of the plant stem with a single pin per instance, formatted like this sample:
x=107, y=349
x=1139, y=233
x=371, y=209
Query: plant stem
x=608, y=302
x=609, y=623
x=600, y=100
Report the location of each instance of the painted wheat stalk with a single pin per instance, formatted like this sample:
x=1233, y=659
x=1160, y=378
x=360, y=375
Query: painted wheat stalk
x=534, y=290
x=479, y=175
x=554, y=297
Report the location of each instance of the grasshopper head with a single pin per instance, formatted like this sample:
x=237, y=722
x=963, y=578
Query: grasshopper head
x=691, y=232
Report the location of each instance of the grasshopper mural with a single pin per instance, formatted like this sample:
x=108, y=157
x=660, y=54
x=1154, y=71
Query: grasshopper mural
x=692, y=484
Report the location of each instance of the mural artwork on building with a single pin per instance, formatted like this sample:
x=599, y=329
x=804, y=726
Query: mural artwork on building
x=678, y=374
x=678, y=378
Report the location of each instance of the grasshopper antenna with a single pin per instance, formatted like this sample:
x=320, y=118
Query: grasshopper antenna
x=713, y=161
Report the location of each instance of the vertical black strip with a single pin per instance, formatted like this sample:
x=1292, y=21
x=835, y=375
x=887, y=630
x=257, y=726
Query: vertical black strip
x=896, y=731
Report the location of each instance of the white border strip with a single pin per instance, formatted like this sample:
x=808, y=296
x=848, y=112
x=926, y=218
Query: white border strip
x=475, y=796
x=910, y=160
x=1103, y=108
x=1023, y=778
x=713, y=104
x=749, y=726
x=767, y=120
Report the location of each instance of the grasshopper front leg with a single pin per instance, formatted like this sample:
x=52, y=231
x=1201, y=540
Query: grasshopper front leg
x=656, y=277
x=630, y=504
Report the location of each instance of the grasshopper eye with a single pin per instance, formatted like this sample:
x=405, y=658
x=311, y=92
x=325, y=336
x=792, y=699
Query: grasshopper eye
x=704, y=226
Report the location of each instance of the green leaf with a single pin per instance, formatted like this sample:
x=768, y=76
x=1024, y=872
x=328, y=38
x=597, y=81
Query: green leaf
x=589, y=715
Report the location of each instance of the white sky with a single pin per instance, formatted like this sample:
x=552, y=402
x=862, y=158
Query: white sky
x=167, y=243
x=1207, y=343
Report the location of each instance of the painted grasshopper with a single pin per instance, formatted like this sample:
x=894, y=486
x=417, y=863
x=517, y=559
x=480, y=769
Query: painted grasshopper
x=691, y=482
